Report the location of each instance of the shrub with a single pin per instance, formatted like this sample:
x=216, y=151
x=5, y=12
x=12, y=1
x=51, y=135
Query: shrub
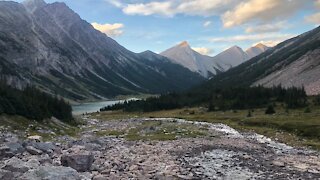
x=270, y=110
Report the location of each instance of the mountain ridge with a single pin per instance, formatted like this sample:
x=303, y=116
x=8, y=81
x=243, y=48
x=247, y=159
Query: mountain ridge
x=208, y=66
x=62, y=54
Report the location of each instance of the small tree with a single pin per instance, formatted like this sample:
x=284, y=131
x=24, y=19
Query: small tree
x=270, y=110
x=249, y=114
x=307, y=110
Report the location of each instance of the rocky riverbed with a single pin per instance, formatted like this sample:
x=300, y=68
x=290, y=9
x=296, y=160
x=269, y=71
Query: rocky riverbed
x=153, y=149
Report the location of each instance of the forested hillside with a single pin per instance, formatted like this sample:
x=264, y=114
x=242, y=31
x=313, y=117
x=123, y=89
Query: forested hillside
x=33, y=104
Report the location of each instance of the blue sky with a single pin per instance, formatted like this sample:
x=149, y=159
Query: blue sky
x=210, y=26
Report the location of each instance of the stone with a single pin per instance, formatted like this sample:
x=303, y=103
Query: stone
x=278, y=163
x=34, y=151
x=6, y=175
x=16, y=165
x=35, y=138
x=52, y=173
x=79, y=162
x=47, y=147
x=15, y=147
x=100, y=177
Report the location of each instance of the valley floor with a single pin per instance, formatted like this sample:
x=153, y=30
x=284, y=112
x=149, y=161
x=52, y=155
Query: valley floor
x=154, y=148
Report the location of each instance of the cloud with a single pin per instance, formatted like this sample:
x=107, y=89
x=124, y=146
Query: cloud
x=112, y=30
x=207, y=24
x=161, y=8
x=170, y=8
x=267, y=27
x=317, y=3
x=203, y=50
x=314, y=18
x=116, y=3
x=270, y=39
x=261, y=11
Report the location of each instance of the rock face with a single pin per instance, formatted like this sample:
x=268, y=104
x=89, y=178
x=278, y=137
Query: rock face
x=208, y=66
x=61, y=53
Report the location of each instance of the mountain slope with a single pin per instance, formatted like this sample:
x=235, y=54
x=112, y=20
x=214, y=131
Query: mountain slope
x=61, y=53
x=295, y=62
x=208, y=66
x=256, y=50
x=184, y=55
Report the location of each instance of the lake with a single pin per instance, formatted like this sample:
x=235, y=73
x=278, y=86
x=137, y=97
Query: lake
x=91, y=107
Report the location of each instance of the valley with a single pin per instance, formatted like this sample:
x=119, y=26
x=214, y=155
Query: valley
x=115, y=145
x=210, y=89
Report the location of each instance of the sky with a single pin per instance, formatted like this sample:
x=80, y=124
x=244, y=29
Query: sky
x=210, y=26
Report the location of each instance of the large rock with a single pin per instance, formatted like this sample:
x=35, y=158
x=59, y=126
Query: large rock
x=34, y=151
x=79, y=162
x=6, y=175
x=52, y=173
x=16, y=165
x=47, y=147
x=10, y=149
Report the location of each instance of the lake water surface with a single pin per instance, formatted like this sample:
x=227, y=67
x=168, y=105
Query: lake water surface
x=94, y=106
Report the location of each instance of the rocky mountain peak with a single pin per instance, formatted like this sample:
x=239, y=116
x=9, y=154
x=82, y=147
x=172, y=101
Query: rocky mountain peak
x=33, y=5
x=184, y=44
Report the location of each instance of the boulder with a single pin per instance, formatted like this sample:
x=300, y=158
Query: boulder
x=16, y=165
x=34, y=151
x=79, y=162
x=6, y=175
x=47, y=147
x=52, y=173
x=35, y=138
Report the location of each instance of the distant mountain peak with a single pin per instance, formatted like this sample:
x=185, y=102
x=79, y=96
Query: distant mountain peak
x=184, y=44
x=33, y=5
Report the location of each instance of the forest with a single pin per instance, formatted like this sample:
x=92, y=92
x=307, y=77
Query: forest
x=33, y=104
x=236, y=98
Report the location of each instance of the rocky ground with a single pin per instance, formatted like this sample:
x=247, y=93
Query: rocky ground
x=154, y=149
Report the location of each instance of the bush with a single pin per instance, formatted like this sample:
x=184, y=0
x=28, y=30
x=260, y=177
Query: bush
x=307, y=110
x=270, y=110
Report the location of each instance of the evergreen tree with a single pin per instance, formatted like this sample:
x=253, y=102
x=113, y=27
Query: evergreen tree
x=270, y=110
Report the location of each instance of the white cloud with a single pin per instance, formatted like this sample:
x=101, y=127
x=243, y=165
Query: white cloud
x=203, y=50
x=161, y=8
x=274, y=27
x=317, y=3
x=314, y=18
x=261, y=11
x=116, y=3
x=264, y=37
x=112, y=30
x=170, y=8
x=207, y=24
x=232, y=12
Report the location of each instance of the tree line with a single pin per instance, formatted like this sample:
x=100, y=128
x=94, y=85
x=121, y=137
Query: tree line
x=235, y=98
x=33, y=104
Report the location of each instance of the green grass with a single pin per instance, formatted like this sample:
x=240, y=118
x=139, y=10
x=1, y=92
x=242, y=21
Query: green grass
x=163, y=131
x=295, y=127
x=110, y=133
x=31, y=127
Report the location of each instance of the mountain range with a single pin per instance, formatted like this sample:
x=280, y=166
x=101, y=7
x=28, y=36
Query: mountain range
x=51, y=47
x=208, y=66
x=292, y=63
